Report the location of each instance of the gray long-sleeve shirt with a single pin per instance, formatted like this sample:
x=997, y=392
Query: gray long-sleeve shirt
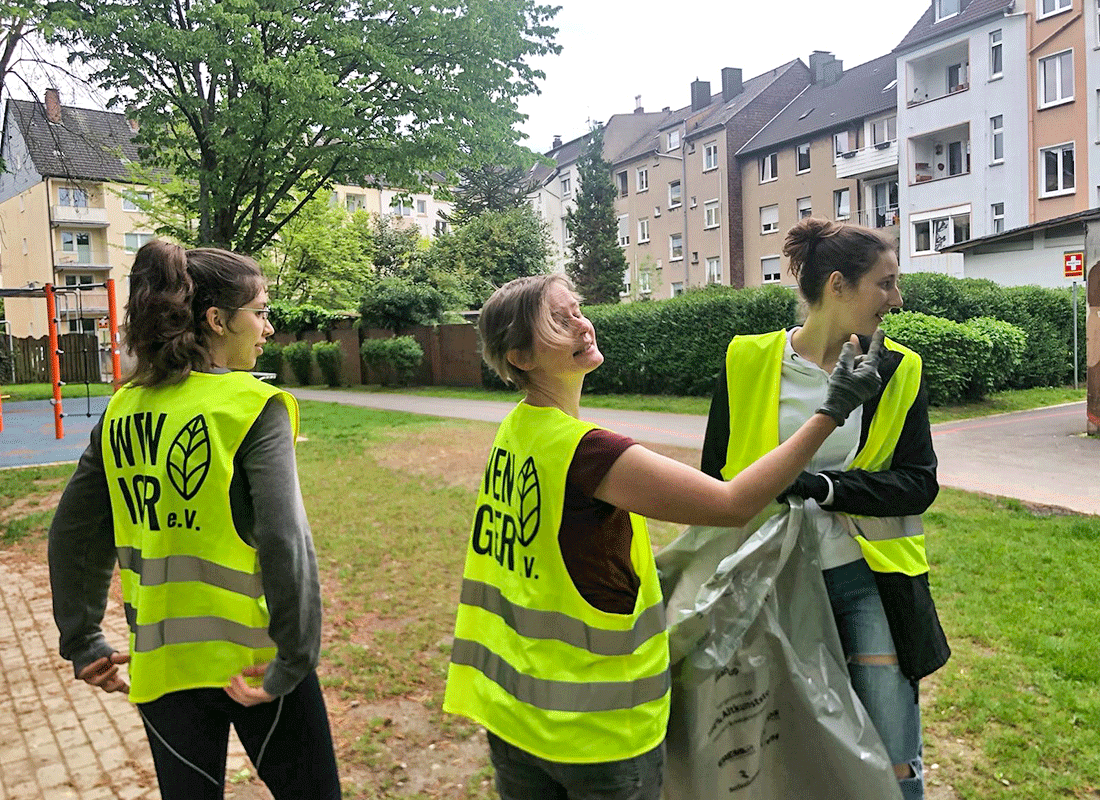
x=268, y=513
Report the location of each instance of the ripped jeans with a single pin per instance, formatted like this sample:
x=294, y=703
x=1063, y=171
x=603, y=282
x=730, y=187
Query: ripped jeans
x=890, y=698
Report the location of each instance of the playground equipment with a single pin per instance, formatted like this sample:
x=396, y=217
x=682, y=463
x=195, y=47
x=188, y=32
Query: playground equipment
x=51, y=293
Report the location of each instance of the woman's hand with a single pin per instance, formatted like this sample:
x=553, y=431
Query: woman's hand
x=247, y=695
x=103, y=672
x=853, y=380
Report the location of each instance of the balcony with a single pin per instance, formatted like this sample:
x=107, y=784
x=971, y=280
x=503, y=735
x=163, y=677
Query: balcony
x=882, y=218
x=87, y=260
x=78, y=215
x=91, y=301
x=878, y=159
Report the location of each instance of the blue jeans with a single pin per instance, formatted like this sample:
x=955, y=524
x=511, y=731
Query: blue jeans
x=522, y=776
x=890, y=698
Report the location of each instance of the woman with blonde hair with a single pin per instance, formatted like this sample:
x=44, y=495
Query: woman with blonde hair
x=561, y=648
x=876, y=472
x=190, y=485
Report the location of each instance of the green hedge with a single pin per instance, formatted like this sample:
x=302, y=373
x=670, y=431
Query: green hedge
x=330, y=360
x=950, y=353
x=395, y=359
x=271, y=359
x=677, y=346
x=300, y=358
x=1008, y=345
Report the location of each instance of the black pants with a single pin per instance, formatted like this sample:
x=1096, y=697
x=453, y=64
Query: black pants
x=288, y=740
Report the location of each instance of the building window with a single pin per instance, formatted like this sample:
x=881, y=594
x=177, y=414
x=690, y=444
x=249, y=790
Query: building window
x=79, y=279
x=620, y=179
x=72, y=197
x=422, y=207
x=769, y=269
x=769, y=167
x=82, y=325
x=677, y=288
x=803, y=208
x=1048, y=7
x=674, y=196
x=676, y=247
x=1056, y=79
x=566, y=187
x=1056, y=172
x=710, y=156
x=710, y=214
x=673, y=141
x=842, y=203
x=997, y=137
x=996, y=54
x=440, y=227
x=998, y=213
x=644, y=282
x=885, y=198
x=933, y=234
x=803, y=157
x=643, y=231
x=642, y=179
x=840, y=143
x=957, y=78
x=885, y=130
x=355, y=202
x=624, y=230
x=134, y=241
x=399, y=208
x=769, y=219
x=128, y=198
x=958, y=158
x=946, y=8
x=714, y=270
x=73, y=242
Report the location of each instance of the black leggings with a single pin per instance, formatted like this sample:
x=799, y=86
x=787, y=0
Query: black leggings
x=288, y=740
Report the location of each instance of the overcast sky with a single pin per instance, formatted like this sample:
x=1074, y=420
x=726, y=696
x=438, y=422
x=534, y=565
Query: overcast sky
x=613, y=50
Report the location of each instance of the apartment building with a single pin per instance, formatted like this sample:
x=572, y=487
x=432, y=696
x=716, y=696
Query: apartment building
x=422, y=209
x=680, y=200
x=832, y=153
x=1092, y=96
x=67, y=215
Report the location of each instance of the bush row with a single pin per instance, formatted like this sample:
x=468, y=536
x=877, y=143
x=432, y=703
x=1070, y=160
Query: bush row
x=394, y=360
x=300, y=357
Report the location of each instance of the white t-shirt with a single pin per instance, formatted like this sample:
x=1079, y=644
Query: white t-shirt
x=802, y=388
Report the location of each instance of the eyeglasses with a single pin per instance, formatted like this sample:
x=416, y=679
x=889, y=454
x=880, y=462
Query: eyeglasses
x=262, y=313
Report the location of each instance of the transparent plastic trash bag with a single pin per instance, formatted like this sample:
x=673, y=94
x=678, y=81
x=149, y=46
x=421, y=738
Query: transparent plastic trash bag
x=762, y=707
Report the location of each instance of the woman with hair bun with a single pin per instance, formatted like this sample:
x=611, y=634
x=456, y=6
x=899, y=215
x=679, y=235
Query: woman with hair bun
x=880, y=465
x=190, y=484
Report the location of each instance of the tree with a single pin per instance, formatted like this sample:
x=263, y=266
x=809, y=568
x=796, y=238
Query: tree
x=490, y=188
x=493, y=248
x=253, y=102
x=394, y=244
x=397, y=304
x=596, y=262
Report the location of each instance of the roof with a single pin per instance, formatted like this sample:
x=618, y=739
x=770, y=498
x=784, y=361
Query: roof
x=565, y=154
x=1079, y=216
x=928, y=29
x=859, y=92
x=86, y=144
x=714, y=115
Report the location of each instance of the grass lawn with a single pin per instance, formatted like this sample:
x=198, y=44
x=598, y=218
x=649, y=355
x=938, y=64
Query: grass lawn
x=1015, y=713
x=44, y=391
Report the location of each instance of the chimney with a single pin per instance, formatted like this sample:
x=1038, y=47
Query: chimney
x=731, y=83
x=700, y=94
x=557, y=142
x=638, y=104
x=53, y=106
x=825, y=68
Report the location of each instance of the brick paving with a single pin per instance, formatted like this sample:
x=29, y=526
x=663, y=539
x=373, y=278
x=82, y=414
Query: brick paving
x=60, y=738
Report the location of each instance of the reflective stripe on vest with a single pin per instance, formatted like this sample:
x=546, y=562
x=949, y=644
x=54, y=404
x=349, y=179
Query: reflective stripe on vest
x=753, y=373
x=533, y=661
x=192, y=588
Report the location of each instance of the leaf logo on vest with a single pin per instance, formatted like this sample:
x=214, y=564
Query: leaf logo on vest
x=189, y=458
x=513, y=513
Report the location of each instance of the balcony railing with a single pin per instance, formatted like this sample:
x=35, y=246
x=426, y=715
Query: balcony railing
x=79, y=215
x=68, y=260
x=879, y=218
x=90, y=301
x=877, y=158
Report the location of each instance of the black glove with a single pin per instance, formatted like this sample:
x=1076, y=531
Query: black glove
x=851, y=384
x=807, y=485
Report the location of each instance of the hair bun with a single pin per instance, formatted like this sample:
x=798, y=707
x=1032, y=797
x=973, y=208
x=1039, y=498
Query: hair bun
x=803, y=238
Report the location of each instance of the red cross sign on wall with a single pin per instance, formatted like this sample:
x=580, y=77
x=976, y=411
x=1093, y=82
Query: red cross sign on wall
x=1074, y=264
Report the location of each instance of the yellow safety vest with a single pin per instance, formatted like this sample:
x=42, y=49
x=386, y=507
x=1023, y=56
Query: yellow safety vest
x=192, y=589
x=533, y=661
x=753, y=368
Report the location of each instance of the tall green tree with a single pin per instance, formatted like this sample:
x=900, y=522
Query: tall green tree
x=596, y=262
x=256, y=101
x=490, y=188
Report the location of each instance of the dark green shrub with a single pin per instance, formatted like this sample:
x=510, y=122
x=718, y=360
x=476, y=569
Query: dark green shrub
x=393, y=360
x=271, y=359
x=330, y=360
x=298, y=318
x=1008, y=345
x=949, y=350
x=300, y=358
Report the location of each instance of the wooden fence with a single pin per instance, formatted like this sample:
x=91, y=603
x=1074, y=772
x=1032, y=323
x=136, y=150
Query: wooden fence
x=29, y=359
